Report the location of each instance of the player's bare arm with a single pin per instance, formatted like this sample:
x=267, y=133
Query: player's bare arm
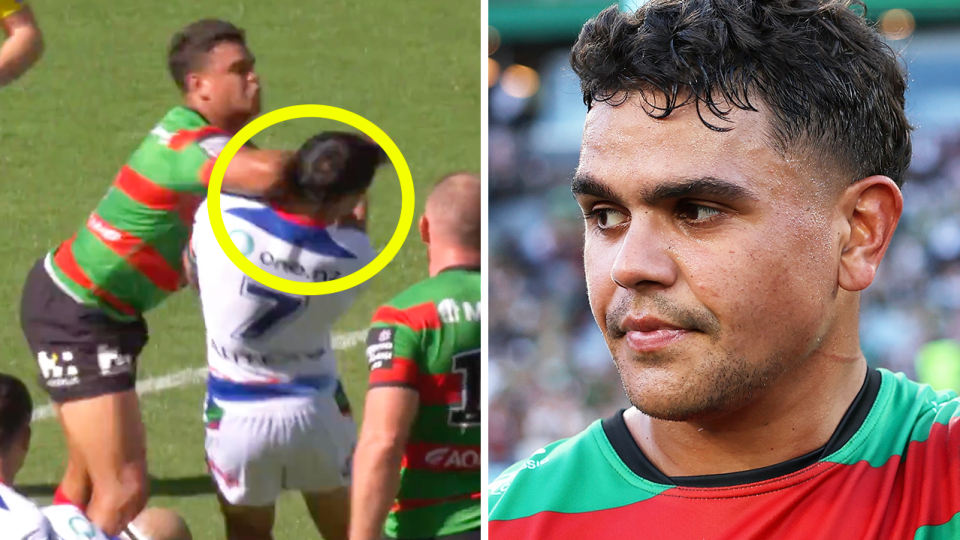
x=23, y=45
x=358, y=218
x=257, y=172
x=388, y=415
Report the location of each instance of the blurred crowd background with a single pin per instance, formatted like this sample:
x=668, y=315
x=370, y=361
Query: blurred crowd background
x=550, y=371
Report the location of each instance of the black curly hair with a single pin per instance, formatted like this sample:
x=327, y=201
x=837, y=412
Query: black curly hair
x=833, y=87
x=333, y=164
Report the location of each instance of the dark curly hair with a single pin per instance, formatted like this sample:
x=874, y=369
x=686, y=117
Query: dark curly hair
x=16, y=408
x=831, y=84
x=189, y=47
x=333, y=164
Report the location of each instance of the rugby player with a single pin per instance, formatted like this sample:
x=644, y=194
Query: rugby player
x=23, y=45
x=740, y=179
x=21, y=519
x=417, y=465
x=276, y=415
x=83, y=303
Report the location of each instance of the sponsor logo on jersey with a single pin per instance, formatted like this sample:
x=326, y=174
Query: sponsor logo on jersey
x=453, y=459
x=214, y=144
x=243, y=241
x=453, y=312
x=380, y=348
x=82, y=527
x=250, y=357
x=111, y=362
x=297, y=269
x=57, y=369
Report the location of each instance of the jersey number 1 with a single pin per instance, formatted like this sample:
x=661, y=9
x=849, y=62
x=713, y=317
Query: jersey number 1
x=467, y=414
x=275, y=308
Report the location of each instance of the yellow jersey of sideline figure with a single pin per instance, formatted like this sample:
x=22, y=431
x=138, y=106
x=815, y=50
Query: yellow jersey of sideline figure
x=9, y=7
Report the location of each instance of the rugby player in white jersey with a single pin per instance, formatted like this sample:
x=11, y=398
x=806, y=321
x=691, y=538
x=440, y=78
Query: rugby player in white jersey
x=276, y=416
x=21, y=519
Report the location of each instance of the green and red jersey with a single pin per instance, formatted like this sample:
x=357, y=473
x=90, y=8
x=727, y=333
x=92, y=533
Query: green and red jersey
x=428, y=339
x=126, y=259
x=891, y=471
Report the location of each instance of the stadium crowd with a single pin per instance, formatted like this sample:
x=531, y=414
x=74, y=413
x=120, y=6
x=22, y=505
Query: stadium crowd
x=550, y=371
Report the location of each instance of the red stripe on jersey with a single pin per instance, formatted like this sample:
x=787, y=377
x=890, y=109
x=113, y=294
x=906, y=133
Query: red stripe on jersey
x=411, y=504
x=420, y=317
x=441, y=457
x=142, y=190
x=137, y=253
x=183, y=138
x=206, y=170
x=402, y=371
x=446, y=389
x=67, y=264
x=826, y=500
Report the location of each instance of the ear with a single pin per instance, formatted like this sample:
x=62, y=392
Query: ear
x=871, y=209
x=195, y=84
x=424, y=226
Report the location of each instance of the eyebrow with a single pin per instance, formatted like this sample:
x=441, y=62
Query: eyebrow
x=705, y=187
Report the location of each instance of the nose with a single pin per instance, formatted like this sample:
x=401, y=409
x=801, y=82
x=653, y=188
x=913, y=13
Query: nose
x=643, y=258
x=253, y=78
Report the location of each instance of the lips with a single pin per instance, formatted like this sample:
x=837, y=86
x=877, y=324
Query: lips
x=648, y=333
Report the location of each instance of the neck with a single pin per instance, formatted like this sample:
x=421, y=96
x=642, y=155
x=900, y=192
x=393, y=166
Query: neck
x=442, y=257
x=7, y=472
x=228, y=123
x=796, y=415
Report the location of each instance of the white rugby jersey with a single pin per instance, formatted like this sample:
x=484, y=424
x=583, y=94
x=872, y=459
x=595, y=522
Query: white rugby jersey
x=263, y=343
x=69, y=523
x=20, y=519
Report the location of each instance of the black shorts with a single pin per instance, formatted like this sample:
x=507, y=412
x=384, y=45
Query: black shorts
x=81, y=351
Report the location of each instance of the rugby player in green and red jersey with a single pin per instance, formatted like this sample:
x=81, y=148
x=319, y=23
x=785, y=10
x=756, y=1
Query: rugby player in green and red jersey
x=417, y=464
x=83, y=302
x=739, y=179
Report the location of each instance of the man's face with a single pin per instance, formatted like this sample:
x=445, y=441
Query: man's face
x=711, y=261
x=229, y=82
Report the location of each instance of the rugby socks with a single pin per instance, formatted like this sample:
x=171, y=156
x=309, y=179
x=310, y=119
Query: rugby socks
x=60, y=498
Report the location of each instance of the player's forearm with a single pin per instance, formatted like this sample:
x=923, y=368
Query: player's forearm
x=21, y=50
x=257, y=172
x=376, y=482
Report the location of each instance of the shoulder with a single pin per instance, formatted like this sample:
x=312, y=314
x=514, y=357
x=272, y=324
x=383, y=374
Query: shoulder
x=551, y=474
x=21, y=518
x=355, y=240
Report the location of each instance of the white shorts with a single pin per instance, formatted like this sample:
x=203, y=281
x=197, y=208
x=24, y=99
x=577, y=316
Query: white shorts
x=257, y=450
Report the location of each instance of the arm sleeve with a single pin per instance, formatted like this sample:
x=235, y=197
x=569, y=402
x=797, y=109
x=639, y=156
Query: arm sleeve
x=392, y=353
x=196, y=160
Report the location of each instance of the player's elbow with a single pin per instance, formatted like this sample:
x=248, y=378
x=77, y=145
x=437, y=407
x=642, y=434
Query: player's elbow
x=26, y=46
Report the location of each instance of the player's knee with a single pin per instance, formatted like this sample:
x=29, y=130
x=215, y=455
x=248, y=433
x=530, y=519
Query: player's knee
x=119, y=502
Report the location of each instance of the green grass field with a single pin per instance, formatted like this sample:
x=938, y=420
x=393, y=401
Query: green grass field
x=412, y=68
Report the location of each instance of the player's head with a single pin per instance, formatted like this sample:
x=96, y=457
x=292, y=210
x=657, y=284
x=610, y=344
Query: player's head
x=739, y=178
x=333, y=170
x=211, y=64
x=158, y=524
x=16, y=409
x=451, y=219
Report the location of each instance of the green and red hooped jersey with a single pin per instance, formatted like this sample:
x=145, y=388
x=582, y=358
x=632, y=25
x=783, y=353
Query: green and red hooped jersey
x=126, y=259
x=428, y=339
x=890, y=472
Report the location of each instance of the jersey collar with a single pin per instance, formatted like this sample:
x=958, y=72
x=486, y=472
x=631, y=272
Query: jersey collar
x=629, y=452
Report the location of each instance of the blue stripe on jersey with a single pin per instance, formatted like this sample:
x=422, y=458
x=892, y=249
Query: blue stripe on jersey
x=225, y=390
x=3, y=504
x=312, y=239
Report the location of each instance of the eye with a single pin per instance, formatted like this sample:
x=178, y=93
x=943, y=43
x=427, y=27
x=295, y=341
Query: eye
x=606, y=218
x=696, y=212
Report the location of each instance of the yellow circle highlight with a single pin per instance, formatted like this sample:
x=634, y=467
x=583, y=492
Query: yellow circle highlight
x=298, y=287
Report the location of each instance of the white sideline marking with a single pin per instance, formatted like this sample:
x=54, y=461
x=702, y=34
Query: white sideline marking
x=187, y=377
